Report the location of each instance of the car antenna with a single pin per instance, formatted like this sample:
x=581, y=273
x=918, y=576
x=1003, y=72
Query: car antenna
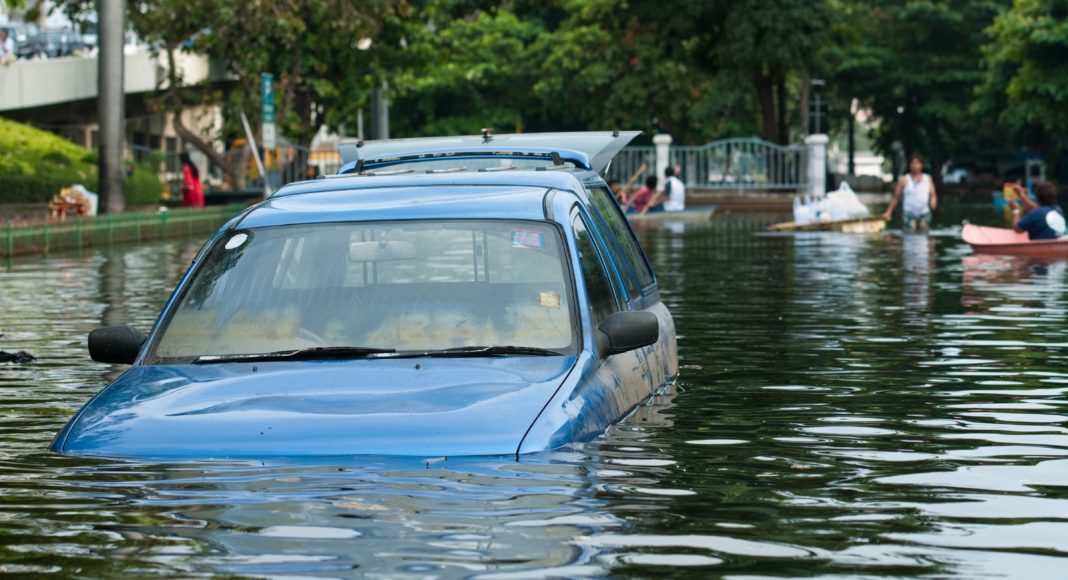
x=615, y=132
x=487, y=134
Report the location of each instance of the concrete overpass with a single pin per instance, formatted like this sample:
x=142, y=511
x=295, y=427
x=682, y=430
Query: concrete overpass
x=33, y=84
x=60, y=95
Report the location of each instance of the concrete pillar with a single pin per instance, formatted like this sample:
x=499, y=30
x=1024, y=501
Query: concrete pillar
x=663, y=157
x=816, y=146
x=110, y=104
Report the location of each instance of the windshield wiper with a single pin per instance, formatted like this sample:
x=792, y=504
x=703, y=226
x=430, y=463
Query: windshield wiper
x=314, y=353
x=471, y=351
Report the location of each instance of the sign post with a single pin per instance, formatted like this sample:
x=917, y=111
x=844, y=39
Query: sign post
x=267, y=114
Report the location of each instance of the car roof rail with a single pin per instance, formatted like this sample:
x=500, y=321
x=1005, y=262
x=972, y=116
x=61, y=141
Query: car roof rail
x=592, y=150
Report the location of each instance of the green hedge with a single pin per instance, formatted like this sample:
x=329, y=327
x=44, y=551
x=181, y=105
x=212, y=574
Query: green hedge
x=141, y=188
x=36, y=164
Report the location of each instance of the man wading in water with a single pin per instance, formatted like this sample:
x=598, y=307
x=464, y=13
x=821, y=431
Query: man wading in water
x=920, y=197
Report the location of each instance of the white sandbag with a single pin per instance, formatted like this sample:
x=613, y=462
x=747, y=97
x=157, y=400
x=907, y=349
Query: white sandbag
x=838, y=205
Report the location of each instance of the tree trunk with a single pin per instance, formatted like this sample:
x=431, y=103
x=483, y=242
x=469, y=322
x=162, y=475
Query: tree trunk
x=780, y=90
x=806, y=81
x=937, y=156
x=766, y=97
x=235, y=173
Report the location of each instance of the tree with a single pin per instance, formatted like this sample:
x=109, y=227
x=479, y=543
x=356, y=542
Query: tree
x=458, y=75
x=764, y=44
x=916, y=65
x=1026, y=83
x=311, y=46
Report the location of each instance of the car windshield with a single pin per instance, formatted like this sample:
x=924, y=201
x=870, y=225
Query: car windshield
x=383, y=286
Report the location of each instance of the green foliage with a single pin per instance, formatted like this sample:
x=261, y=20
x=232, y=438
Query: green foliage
x=29, y=152
x=143, y=187
x=468, y=74
x=916, y=65
x=1027, y=80
x=35, y=165
x=601, y=64
x=942, y=77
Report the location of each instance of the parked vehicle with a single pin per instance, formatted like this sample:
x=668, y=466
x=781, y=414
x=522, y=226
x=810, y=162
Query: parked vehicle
x=440, y=297
x=25, y=37
x=57, y=42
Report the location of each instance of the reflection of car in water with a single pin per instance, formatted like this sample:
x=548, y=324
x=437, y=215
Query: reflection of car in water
x=469, y=296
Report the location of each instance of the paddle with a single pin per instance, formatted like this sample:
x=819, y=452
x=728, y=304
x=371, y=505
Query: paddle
x=625, y=190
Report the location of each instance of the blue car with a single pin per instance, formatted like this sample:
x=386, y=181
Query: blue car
x=438, y=297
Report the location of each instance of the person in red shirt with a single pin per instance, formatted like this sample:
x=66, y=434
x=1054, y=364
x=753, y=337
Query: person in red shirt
x=192, y=188
x=643, y=197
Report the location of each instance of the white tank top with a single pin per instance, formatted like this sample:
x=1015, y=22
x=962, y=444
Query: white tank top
x=917, y=195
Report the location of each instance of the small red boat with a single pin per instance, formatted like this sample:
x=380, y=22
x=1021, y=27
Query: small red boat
x=984, y=240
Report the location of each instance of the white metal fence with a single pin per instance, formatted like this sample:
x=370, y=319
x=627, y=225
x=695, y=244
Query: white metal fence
x=728, y=164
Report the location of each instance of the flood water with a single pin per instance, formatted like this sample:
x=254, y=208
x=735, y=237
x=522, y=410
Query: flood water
x=849, y=406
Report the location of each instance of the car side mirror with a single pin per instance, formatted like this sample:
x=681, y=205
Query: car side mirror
x=626, y=331
x=115, y=344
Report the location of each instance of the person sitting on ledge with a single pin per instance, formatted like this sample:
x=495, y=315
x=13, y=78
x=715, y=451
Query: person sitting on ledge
x=1044, y=220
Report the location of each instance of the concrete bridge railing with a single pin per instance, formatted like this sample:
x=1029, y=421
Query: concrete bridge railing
x=26, y=84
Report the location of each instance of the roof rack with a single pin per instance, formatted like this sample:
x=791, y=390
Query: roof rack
x=588, y=150
x=555, y=156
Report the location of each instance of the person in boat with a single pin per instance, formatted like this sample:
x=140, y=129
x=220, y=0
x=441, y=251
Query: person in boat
x=673, y=198
x=618, y=191
x=1045, y=219
x=674, y=190
x=920, y=197
x=642, y=200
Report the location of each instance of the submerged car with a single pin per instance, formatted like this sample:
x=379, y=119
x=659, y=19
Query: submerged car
x=439, y=297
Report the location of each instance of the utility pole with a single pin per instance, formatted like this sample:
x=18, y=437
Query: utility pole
x=852, y=137
x=380, y=111
x=111, y=97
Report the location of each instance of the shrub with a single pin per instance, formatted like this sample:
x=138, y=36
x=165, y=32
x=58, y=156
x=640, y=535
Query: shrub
x=143, y=187
x=35, y=165
x=29, y=188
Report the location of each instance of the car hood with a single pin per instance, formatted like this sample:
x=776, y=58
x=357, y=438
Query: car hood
x=424, y=407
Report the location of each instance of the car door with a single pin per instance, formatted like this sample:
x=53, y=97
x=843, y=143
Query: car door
x=638, y=281
x=622, y=380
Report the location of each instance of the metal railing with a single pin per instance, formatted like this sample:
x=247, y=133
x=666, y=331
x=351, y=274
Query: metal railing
x=743, y=164
x=729, y=164
x=629, y=162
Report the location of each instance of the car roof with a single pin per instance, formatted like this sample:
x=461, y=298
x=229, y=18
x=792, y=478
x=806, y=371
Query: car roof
x=473, y=195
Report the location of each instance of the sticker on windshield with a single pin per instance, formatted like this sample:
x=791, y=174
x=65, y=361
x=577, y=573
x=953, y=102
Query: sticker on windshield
x=236, y=241
x=528, y=239
x=548, y=299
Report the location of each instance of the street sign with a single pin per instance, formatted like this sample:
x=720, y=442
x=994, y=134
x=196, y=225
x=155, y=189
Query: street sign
x=267, y=113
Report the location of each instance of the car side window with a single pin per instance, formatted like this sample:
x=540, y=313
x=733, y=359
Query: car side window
x=624, y=237
x=598, y=285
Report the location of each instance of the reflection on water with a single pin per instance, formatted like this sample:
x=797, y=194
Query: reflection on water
x=886, y=405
